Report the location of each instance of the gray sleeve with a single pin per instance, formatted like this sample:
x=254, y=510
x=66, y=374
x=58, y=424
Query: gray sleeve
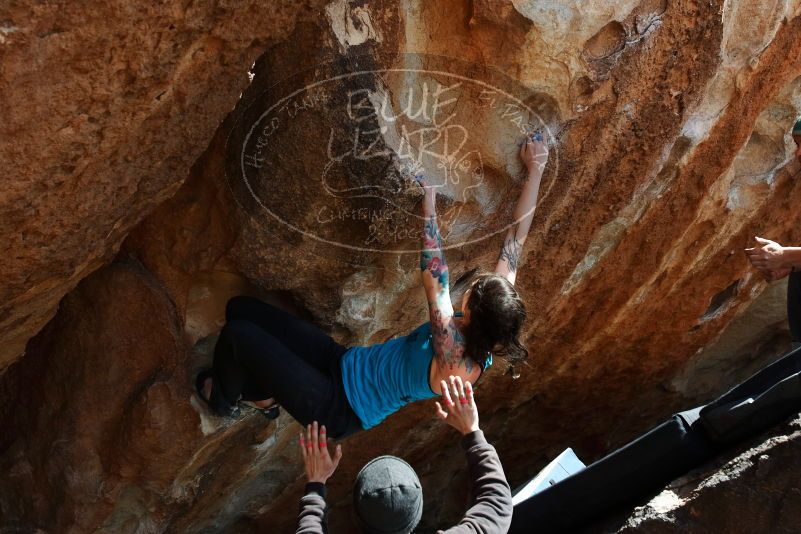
x=313, y=510
x=491, y=511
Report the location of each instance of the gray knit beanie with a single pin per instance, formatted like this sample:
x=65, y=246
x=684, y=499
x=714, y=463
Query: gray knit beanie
x=387, y=497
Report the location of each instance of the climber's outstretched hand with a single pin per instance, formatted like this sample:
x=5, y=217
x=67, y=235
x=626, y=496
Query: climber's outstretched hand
x=314, y=447
x=462, y=413
x=534, y=153
x=413, y=170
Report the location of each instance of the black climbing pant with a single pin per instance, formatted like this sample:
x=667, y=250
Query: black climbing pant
x=265, y=352
x=794, y=305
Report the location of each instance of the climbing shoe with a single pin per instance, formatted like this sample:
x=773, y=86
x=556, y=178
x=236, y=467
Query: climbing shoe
x=270, y=413
x=200, y=380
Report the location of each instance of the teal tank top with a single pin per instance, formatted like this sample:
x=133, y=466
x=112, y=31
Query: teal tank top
x=380, y=379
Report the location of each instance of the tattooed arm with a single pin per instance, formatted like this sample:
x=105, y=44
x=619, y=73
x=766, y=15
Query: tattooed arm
x=534, y=154
x=448, y=343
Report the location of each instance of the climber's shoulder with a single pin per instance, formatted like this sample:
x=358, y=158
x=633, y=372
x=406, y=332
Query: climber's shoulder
x=465, y=368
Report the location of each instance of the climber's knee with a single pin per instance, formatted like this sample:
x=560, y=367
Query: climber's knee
x=250, y=343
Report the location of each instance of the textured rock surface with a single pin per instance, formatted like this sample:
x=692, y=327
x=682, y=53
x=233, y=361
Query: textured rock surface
x=114, y=443
x=755, y=489
x=672, y=149
x=106, y=105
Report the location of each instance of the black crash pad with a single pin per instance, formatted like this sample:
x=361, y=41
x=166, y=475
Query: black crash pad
x=639, y=467
x=679, y=444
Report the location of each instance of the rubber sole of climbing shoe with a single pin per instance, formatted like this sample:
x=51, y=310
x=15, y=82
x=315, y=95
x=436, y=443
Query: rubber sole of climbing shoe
x=270, y=413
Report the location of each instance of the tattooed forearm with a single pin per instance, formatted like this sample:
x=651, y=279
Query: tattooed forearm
x=432, y=259
x=511, y=252
x=447, y=341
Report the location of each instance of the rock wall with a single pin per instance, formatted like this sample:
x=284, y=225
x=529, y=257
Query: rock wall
x=670, y=122
x=106, y=105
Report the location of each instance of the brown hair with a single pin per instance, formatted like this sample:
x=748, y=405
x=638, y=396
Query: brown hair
x=497, y=314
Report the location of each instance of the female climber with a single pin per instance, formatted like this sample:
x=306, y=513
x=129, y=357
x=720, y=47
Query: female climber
x=265, y=355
